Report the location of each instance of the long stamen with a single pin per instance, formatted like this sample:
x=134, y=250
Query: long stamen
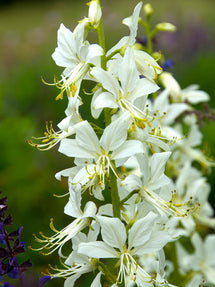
x=61, y=237
x=50, y=138
x=172, y=209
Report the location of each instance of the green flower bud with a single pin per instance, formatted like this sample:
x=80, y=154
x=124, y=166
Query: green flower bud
x=148, y=9
x=166, y=27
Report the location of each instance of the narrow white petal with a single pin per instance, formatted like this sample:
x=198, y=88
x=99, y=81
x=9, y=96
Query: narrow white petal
x=97, y=281
x=97, y=249
x=71, y=148
x=141, y=230
x=127, y=149
x=105, y=100
x=86, y=137
x=72, y=208
x=157, y=240
x=115, y=134
x=106, y=79
x=195, y=97
x=143, y=87
x=132, y=23
x=128, y=74
x=67, y=172
x=90, y=209
x=113, y=231
x=94, y=51
x=158, y=163
x=69, y=282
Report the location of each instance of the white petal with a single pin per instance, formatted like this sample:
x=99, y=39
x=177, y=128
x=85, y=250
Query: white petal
x=90, y=209
x=86, y=137
x=97, y=249
x=97, y=281
x=119, y=45
x=64, y=54
x=115, y=134
x=104, y=100
x=71, y=148
x=132, y=23
x=127, y=149
x=94, y=51
x=195, y=97
x=128, y=74
x=113, y=231
x=158, y=240
x=143, y=87
x=84, y=174
x=198, y=245
x=174, y=110
x=141, y=230
x=72, y=208
x=67, y=172
x=158, y=163
x=69, y=282
x=106, y=79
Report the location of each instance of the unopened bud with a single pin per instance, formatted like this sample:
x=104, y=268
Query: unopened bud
x=148, y=9
x=94, y=13
x=166, y=27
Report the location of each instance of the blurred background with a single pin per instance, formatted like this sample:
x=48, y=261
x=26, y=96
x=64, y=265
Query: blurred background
x=28, y=37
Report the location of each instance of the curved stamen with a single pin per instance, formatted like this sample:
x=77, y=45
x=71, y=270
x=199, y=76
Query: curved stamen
x=50, y=138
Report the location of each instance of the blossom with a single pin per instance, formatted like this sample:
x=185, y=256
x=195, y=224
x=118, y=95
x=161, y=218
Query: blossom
x=146, y=64
x=202, y=261
x=77, y=264
x=72, y=208
x=66, y=127
x=153, y=185
x=191, y=94
x=141, y=238
x=121, y=95
x=75, y=54
x=96, y=156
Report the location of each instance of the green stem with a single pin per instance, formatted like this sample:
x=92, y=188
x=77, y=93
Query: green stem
x=129, y=196
x=113, y=188
x=100, y=31
x=102, y=267
x=148, y=35
x=112, y=181
x=112, y=54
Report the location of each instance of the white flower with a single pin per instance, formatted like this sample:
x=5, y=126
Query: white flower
x=97, y=156
x=154, y=186
x=146, y=64
x=142, y=239
x=75, y=55
x=121, y=95
x=202, y=261
x=192, y=94
x=73, y=208
x=77, y=264
x=66, y=127
x=192, y=189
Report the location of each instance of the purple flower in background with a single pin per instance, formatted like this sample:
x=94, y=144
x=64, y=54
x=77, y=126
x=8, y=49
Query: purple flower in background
x=10, y=246
x=167, y=64
x=43, y=280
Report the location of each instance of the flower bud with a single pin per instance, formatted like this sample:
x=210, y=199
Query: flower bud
x=169, y=82
x=94, y=13
x=166, y=27
x=148, y=9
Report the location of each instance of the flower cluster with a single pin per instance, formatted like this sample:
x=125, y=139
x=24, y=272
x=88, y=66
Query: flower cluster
x=11, y=246
x=136, y=189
